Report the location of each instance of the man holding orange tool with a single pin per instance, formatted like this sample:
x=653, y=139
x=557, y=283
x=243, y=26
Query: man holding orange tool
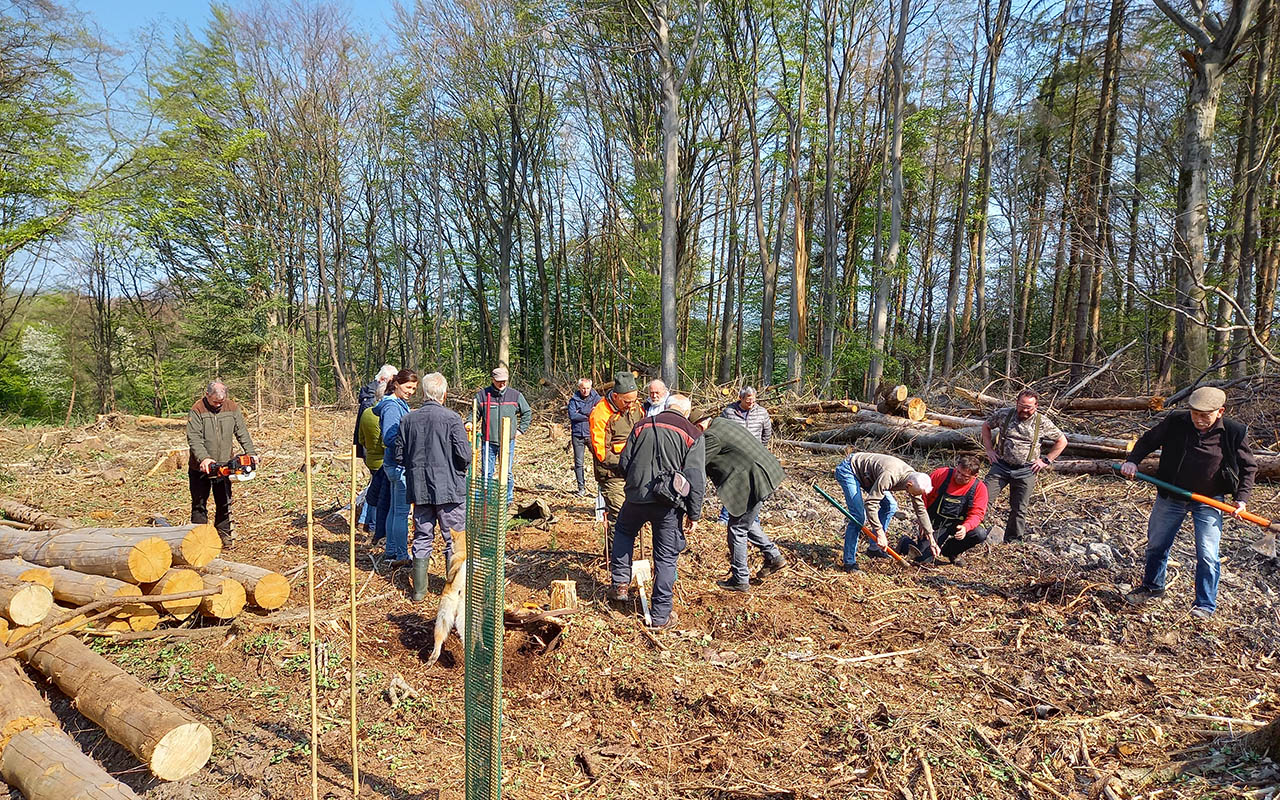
x=1201, y=453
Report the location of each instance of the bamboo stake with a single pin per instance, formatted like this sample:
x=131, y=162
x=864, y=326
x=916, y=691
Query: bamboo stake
x=351, y=564
x=311, y=592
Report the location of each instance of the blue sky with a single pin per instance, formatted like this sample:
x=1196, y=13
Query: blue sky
x=121, y=19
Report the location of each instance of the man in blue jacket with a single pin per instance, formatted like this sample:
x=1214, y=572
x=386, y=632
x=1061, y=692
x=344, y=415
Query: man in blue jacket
x=580, y=404
x=492, y=404
x=434, y=450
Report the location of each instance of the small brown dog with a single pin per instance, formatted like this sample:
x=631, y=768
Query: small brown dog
x=451, y=614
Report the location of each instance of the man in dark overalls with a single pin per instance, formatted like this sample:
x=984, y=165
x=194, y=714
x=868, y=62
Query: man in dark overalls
x=956, y=506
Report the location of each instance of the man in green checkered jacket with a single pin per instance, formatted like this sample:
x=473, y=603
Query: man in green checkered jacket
x=745, y=475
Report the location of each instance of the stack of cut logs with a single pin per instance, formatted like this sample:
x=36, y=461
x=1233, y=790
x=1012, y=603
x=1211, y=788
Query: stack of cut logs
x=905, y=421
x=57, y=578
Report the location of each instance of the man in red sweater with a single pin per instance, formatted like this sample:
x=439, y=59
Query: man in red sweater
x=956, y=506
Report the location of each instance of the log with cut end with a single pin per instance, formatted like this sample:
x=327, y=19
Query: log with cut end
x=171, y=742
x=914, y=409
x=1152, y=403
x=178, y=581
x=264, y=589
x=78, y=589
x=33, y=516
x=192, y=545
x=24, y=603
x=38, y=758
x=24, y=571
x=145, y=421
x=226, y=605
x=823, y=407
x=127, y=554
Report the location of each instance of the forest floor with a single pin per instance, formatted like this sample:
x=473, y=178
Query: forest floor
x=1022, y=673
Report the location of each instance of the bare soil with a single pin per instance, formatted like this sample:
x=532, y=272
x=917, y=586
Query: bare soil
x=1022, y=673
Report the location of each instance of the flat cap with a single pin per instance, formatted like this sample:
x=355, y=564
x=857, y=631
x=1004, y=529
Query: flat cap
x=500, y=374
x=624, y=383
x=1207, y=398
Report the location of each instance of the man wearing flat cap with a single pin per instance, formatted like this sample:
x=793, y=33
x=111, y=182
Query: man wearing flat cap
x=1203, y=452
x=609, y=425
x=493, y=403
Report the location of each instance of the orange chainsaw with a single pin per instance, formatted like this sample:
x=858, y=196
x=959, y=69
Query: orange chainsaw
x=239, y=468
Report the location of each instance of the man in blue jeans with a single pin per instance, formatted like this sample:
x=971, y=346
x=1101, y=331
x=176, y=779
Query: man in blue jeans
x=493, y=403
x=868, y=480
x=1204, y=453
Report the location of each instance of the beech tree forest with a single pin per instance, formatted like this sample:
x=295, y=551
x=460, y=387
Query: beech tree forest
x=828, y=192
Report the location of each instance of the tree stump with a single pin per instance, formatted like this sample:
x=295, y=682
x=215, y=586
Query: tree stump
x=564, y=594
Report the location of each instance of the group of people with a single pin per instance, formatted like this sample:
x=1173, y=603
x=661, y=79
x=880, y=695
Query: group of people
x=652, y=458
x=652, y=467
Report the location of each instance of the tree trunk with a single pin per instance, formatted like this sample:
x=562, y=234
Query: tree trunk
x=889, y=268
x=40, y=759
x=23, y=602
x=265, y=589
x=958, y=227
x=126, y=554
x=171, y=742
x=227, y=605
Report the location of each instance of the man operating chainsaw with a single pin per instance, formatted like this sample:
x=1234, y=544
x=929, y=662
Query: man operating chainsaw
x=214, y=422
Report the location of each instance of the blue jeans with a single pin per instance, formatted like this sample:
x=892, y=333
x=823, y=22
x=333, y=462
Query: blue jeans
x=1166, y=520
x=853, y=501
x=742, y=530
x=394, y=523
x=491, y=459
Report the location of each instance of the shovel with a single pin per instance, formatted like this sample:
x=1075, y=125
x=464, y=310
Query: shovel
x=1265, y=546
x=642, y=573
x=866, y=532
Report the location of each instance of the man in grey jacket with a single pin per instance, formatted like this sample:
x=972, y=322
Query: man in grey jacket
x=748, y=413
x=663, y=459
x=214, y=425
x=434, y=451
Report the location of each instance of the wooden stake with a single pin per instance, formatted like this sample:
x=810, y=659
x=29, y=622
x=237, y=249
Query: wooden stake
x=311, y=593
x=351, y=565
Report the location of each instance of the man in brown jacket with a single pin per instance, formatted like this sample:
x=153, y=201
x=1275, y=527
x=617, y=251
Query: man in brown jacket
x=214, y=424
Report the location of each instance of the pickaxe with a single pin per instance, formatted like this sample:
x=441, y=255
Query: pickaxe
x=1265, y=546
x=866, y=532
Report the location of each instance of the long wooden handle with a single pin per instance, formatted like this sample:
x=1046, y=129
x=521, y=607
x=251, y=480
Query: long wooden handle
x=866, y=532
x=1247, y=516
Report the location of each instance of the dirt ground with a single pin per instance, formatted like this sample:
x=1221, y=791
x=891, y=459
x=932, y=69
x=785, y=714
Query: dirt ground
x=1021, y=674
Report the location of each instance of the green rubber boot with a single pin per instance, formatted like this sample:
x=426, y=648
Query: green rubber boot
x=419, y=579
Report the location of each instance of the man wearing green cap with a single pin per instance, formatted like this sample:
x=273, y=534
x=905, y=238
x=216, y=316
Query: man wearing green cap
x=1202, y=452
x=610, y=424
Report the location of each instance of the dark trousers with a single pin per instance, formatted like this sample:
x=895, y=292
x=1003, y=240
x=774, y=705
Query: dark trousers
x=201, y=486
x=373, y=501
x=579, y=467
x=1021, y=482
x=668, y=541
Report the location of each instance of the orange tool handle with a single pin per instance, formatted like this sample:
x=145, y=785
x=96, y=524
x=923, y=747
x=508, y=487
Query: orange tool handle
x=871, y=537
x=1247, y=516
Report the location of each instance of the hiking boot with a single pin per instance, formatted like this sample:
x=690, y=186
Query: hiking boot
x=419, y=579
x=1012, y=537
x=619, y=594
x=734, y=586
x=850, y=567
x=959, y=561
x=228, y=539
x=1200, y=612
x=1141, y=596
x=771, y=566
x=668, y=624
x=876, y=552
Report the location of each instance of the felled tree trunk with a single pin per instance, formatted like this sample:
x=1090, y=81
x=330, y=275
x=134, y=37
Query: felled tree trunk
x=40, y=759
x=1153, y=403
x=127, y=554
x=226, y=605
x=23, y=571
x=171, y=742
x=78, y=589
x=265, y=589
x=192, y=545
x=33, y=516
x=178, y=581
x=24, y=603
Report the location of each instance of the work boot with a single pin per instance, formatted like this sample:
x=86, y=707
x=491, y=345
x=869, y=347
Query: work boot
x=772, y=565
x=228, y=538
x=419, y=579
x=582, y=491
x=1200, y=612
x=620, y=594
x=668, y=624
x=1140, y=596
x=730, y=585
